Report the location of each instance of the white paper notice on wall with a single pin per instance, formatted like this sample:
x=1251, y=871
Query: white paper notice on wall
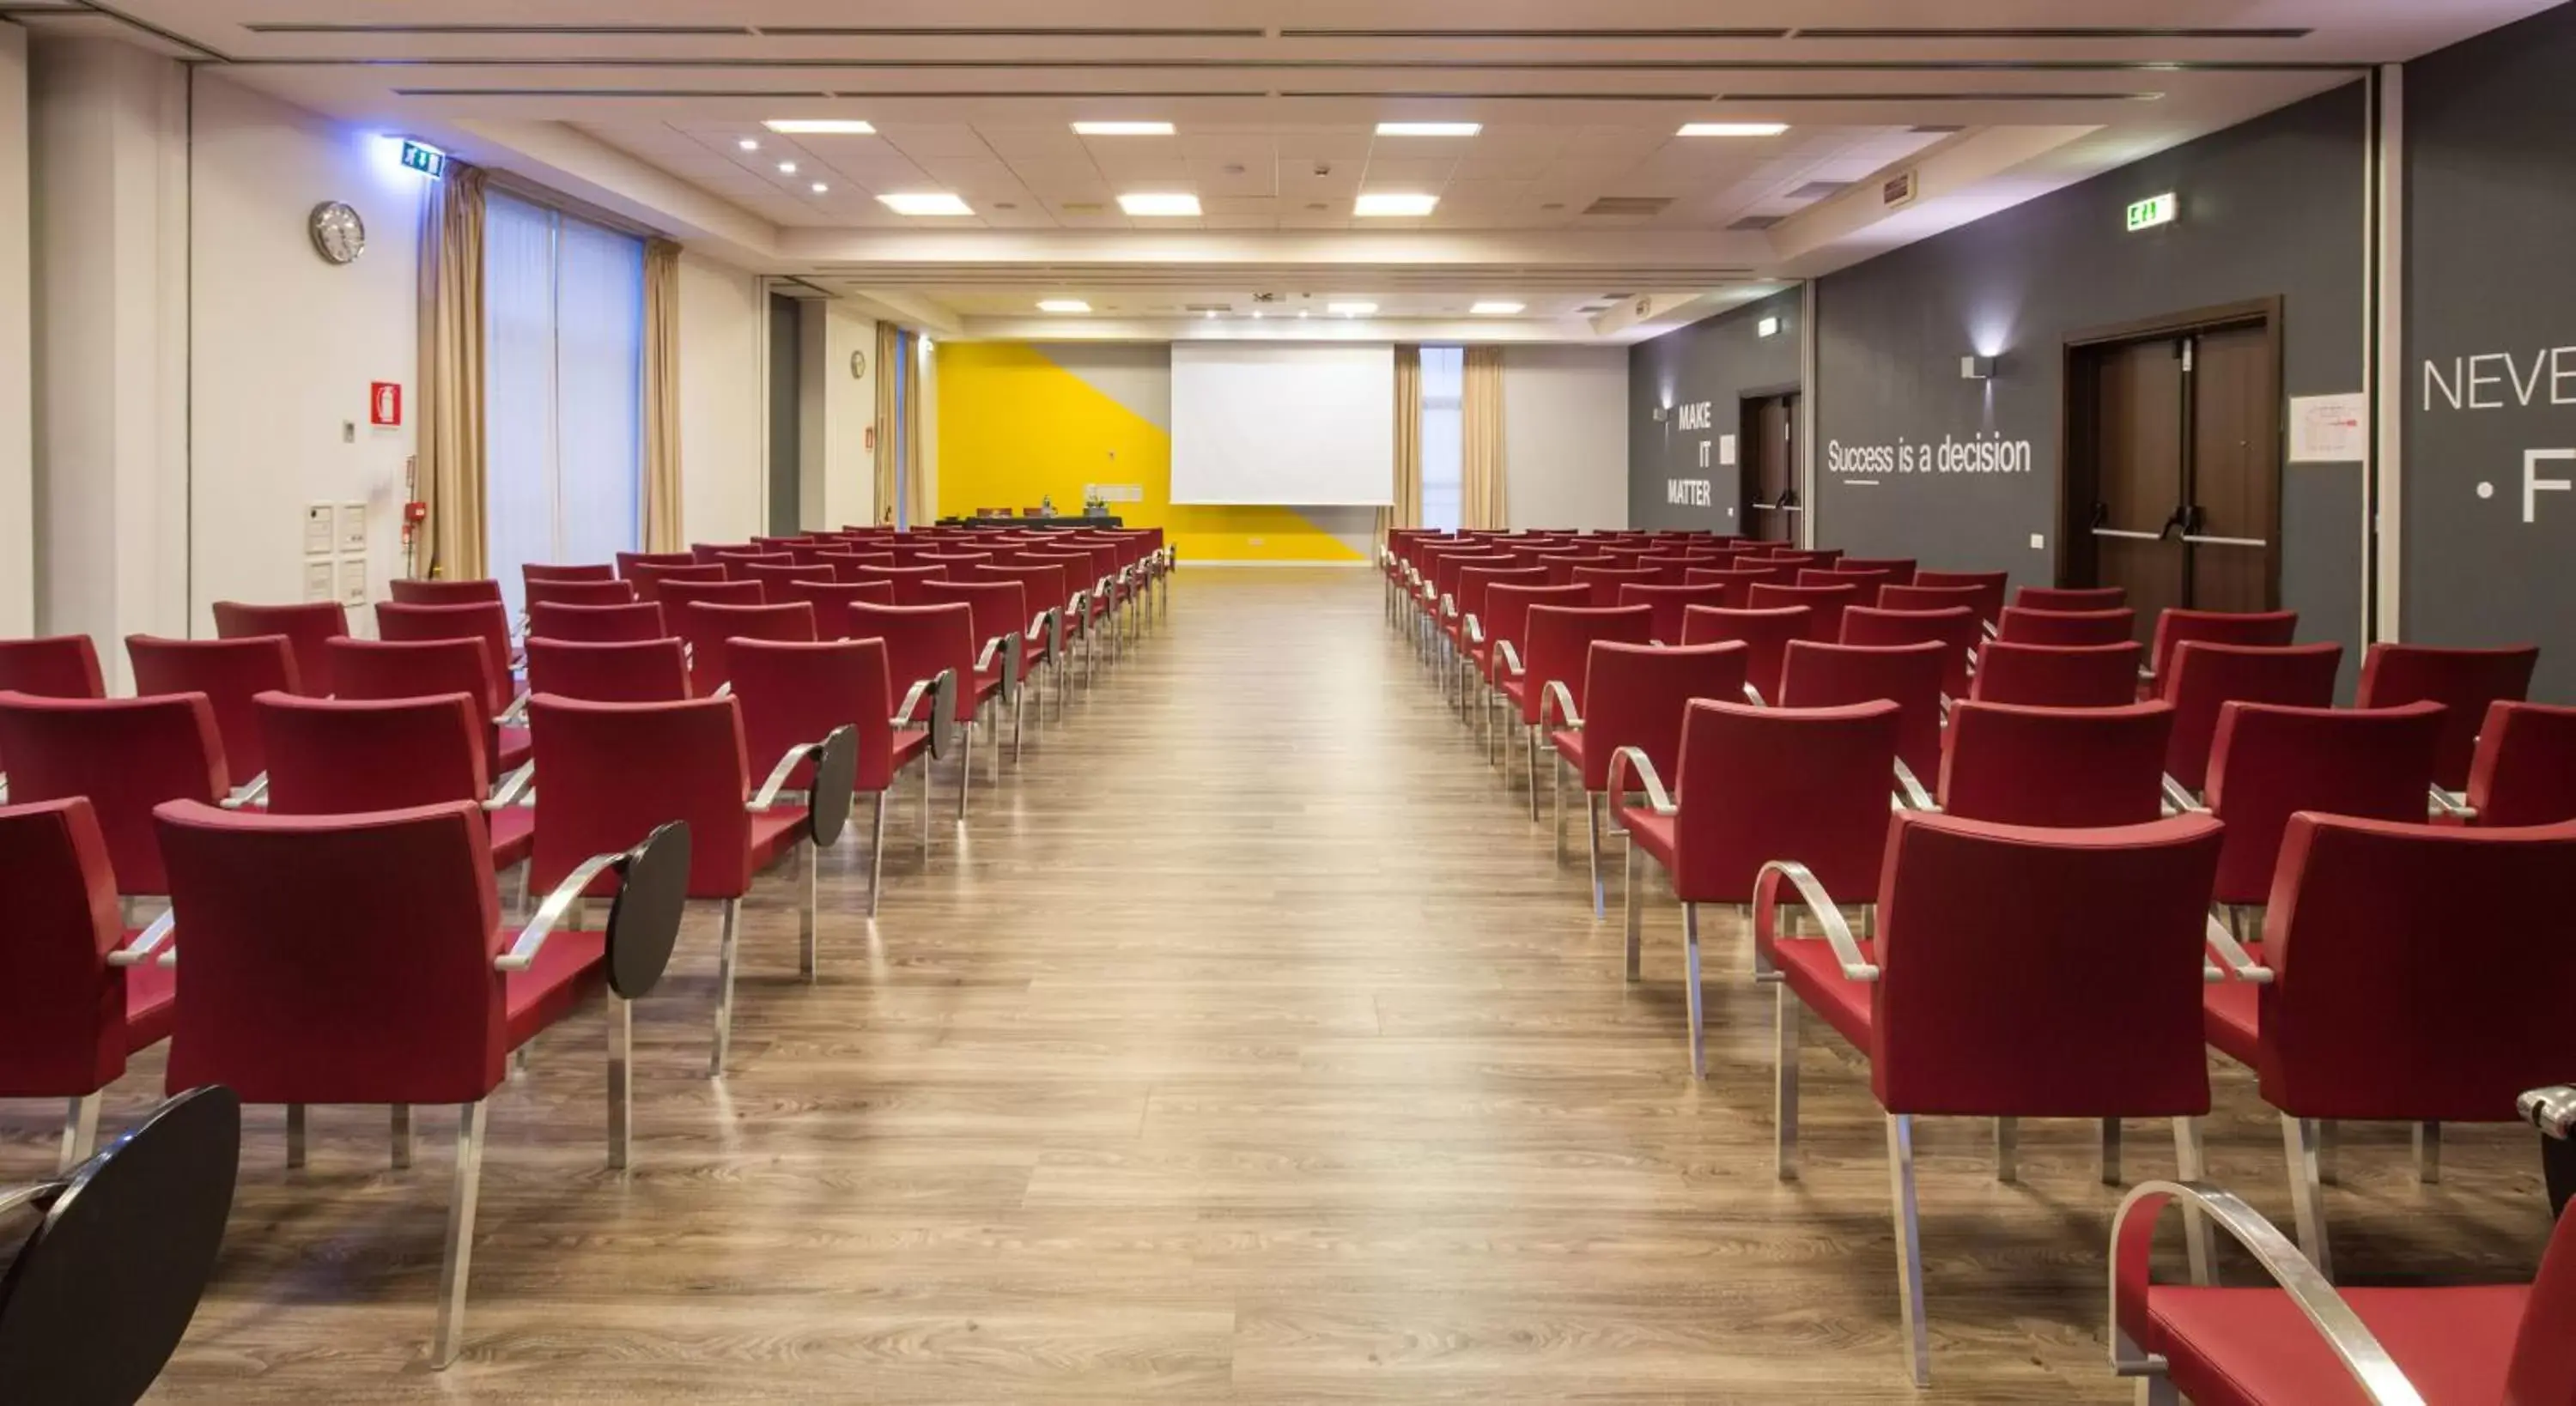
x=1726, y=451
x=353, y=527
x=317, y=580
x=2330, y=429
x=317, y=533
x=353, y=581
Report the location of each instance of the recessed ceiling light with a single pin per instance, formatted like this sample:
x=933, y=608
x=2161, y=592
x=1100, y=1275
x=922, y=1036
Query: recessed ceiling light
x=1211, y=314
x=820, y=127
x=822, y=189
x=1732, y=129
x=932, y=202
x=787, y=168
x=1351, y=309
x=1256, y=314
x=1063, y=305
x=1301, y=312
x=1394, y=203
x=1123, y=129
x=749, y=144
x=1429, y=129
x=1496, y=309
x=1163, y=203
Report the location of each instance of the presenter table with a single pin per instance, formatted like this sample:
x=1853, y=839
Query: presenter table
x=1064, y=521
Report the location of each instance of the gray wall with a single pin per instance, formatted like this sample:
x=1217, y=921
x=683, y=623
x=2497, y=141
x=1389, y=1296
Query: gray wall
x=1717, y=362
x=2491, y=227
x=2273, y=207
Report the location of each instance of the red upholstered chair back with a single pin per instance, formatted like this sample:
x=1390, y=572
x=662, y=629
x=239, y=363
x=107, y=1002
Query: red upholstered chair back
x=1446, y=565
x=1749, y=571
x=532, y=573
x=609, y=671
x=1507, y=610
x=1047, y=584
x=2376, y=1009
x=999, y=607
x=592, y=593
x=649, y=579
x=336, y=958
x=2045, y=676
x=676, y=594
x=434, y=591
x=1931, y=598
x=2078, y=951
x=127, y=755
x=336, y=756
x=2464, y=681
x=2064, y=768
x=2544, y=1352
x=2271, y=762
x=1669, y=567
x=958, y=560
x=595, y=624
x=488, y=621
x=1765, y=633
x=1866, y=582
x=734, y=560
x=852, y=566
x=2066, y=629
x=1956, y=630
x=379, y=669
x=2072, y=598
x=707, y=627
x=907, y=580
x=775, y=579
x=1636, y=695
x=1560, y=647
x=1900, y=570
x=2174, y=628
x=1989, y=586
x=1669, y=603
x=792, y=694
x=831, y=600
x=1561, y=566
x=920, y=642
x=1908, y=675
x=2525, y=769
x=230, y=673
x=1475, y=581
x=609, y=773
x=54, y=666
x=633, y=565
x=1825, y=606
x=62, y=1010
x=2207, y=677
x=1759, y=784
x=781, y=544
x=1738, y=583
x=308, y=628
x=1605, y=581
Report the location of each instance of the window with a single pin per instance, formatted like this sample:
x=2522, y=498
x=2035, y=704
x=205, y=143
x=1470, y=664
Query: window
x=906, y=386
x=563, y=394
x=1444, y=397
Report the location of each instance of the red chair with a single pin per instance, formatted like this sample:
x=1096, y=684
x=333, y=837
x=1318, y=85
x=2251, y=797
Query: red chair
x=73, y=1007
x=1755, y=785
x=1471, y=587
x=595, y=624
x=1766, y=633
x=284, y=1007
x=1744, y=573
x=126, y=755
x=2205, y=678
x=2361, y=1002
x=630, y=565
x=376, y=670
x=774, y=580
x=435, y=591
x=1989, y=586
x=536, y=573
x=792, y=693
x=1497, y=648
x=1900, y=570
x=1671, y=604
x=626, y=671
x=582, y=593
x=611, y=774
x=309, y=628
x=649, y=578
x=1013, y=639
x=674, y=595
x=1867, y=582
x=1560, y=651
x=2072, y=599
x=54, y=666
x=1820, y=676
x=2464, y=681
x=2269, y=763
x=2175, y=628
x=1671, y=568
x=734, y=559
x=706, y=627
x=487, y=621
x=1635, y=696
x=229, y=673
x=907, y=581
x=2056, y=768
x=1059, y=615
x=1936, y=598
x=1977, y=918
x=2045, y=676
x=924, y=642
x=1956, y=630
x=782, y=544
x=2305, y=1342
x=339, y=756
x=2525, y=769
x=2067, y=629
x=832, y=599
x=1825, y=606
x=1605, y=581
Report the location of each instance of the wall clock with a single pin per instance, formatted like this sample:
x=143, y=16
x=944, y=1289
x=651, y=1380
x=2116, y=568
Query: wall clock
x=858, y=366
x=338, y=234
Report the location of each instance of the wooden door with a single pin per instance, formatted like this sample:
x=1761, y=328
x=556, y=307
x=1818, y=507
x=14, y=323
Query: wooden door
x=2132, y=474
x=1769, y=475
x=2232, y=519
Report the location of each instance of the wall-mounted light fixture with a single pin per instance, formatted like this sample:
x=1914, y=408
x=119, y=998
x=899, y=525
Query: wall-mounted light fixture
x=1767, y=327
x=1976, y=368
x=1661, y=411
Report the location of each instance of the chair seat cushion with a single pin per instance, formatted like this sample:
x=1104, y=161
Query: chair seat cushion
x=1569, y=745
x=568, y=968
x=986, y=685
x=514, y=835
x=151, y=1001
x=1812, y=971
x=2253, y=1347
x=2231, y=1017
x=512, y=750
x=773, y=833
x=1649, y=832
x=909, y=742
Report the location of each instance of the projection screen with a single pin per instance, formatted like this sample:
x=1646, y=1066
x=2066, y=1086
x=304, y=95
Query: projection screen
x=1272, y=425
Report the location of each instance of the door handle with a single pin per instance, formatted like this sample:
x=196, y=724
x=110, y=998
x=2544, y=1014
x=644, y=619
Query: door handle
x=2199, y=540
x=2178, y=523
x=2128, y=536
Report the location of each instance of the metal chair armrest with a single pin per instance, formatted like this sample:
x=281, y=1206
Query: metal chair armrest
x=643, y=919
x=1511, y=657
x=1626, y=759
x=2239, y=963
x=2179, y=796
x=767, y=797
x=2440, y=803
x=518, y=709
x=2552, y=1110
x=1050, y=624
x=250, y=794
x=1753, y=696
x=1015, y=654
x=39, y=1197
x=1448, y=607
x=992, y=647
x=1556, y=698
x=1911, y=792
x=1474, y=629
x=1766, y=906
x=513, y=788
x=148, y=943
x=2351, y=1341
x=550, y=914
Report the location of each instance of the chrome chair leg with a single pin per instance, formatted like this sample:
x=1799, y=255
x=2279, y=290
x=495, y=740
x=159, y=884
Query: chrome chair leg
x=876, y=852
x=621, y=1079
x=458, y=1264
x=966, y=768
x=2007, y=1149
x=2301, y=1139
x=1529, y=753
x=812, y=864
x=402, y=1140
x=1556, y=797
x=80, y=1132
x=1592, y=831
x=993, y=742
x=2111, y=1152
x=1690, y=957
x=295, y=1137
x=1019, y=742
x=724, y=986
x=1785, y=1032
x=925, y=809
x=1635, y=937
x=2190, y=1166
x=2329, y=1153
x=1909, y=1247
x=2428, y=1154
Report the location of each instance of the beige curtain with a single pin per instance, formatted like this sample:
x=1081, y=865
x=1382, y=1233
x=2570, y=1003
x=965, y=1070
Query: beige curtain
x=889, y=354
x=662, y=531
x=450, y=474
x=918, y=504
x=1483, y=504
x=1407, y=511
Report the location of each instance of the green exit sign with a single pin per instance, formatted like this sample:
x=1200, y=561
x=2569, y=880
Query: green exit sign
x=2153, y=211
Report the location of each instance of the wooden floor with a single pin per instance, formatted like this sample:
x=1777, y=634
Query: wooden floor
x=1250, y=1047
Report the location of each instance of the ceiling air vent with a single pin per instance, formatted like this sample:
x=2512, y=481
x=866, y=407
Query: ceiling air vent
x=1818, y=190
x=1751, y=223
x=1934, y=129
x=1631, y=206
x=1897, y=190
x=1084, y=207
x=1207, y=307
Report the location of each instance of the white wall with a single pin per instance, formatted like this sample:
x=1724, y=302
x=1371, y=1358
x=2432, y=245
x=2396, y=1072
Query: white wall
x=724, y=339
x=849, y=408
x=17, y=448
x=1565, y=435
x=285, y=344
